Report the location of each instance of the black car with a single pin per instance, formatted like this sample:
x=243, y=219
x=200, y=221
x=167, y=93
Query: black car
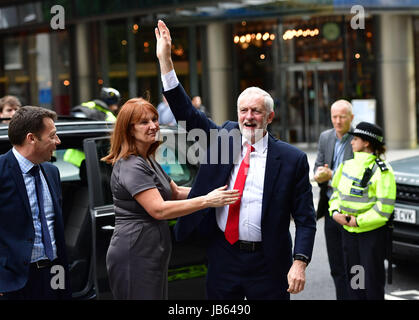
x=406, y=209
x=89, y=214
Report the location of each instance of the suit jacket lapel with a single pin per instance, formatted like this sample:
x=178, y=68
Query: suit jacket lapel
x=16, y=174
x=273, y=165
x=348, y=153
x=330, y=148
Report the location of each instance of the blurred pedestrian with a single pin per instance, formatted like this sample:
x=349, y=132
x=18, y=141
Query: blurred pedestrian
x=197, y=103
x=8, y=107
x=334, y=147
x=144, y=198
x=362, y=202
x=31, y=222
x=165, y=114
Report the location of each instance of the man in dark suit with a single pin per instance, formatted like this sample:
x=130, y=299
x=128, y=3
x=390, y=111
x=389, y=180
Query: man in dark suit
x=249, y=245
x=33, y=263
x=334, y=147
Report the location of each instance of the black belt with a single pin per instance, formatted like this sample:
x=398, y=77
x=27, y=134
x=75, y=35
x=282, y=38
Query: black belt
x=248, y=246
x=40, y=264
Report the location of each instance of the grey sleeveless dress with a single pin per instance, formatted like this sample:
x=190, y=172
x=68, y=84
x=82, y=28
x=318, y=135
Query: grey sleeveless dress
x=138, y=256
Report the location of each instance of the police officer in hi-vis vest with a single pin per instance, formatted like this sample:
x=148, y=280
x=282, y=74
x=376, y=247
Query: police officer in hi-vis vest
x=363, y=202
x=103, y=109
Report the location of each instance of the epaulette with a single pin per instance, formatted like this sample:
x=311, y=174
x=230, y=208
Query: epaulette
x=381, y=164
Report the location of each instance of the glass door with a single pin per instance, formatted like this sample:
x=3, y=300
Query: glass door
x=310, y=90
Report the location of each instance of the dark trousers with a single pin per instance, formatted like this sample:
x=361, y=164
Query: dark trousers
x=364, y=255
x=38, y=286
x=333, y=233
x=234, y=274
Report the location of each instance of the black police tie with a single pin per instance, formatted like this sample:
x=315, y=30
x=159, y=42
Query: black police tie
x=46, y=239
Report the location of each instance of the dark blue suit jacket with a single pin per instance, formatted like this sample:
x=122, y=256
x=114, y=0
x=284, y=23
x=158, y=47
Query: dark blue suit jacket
x=287, y=189
x=17, y=232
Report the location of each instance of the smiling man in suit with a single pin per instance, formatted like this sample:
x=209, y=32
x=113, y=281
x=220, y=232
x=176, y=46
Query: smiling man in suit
x=31, y=224
x=334, y=147
x=249, y=245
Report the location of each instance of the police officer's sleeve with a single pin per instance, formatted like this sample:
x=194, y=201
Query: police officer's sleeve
x=334, y=199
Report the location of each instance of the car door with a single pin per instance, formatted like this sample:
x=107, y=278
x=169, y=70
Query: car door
x=187, y=259
x=101, y=210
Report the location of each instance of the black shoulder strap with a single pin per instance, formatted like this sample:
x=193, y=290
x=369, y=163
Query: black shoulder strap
x=381, y=164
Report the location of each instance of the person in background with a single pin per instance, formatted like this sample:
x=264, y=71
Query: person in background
x=103, y=109
x=165, y=114
x=8, y=107
x=363, y=202
x=31, y=223
x=144, y=198
x=197, y=103
x=334, y=147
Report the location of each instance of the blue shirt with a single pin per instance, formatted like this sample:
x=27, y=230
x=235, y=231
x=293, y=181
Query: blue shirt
x=38, y=251
x=338, y=153
x=165, y=114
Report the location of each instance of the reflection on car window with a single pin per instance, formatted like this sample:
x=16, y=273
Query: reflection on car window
x=68, y=171
x=167, y=159
x=105, y=170
x=182, y=174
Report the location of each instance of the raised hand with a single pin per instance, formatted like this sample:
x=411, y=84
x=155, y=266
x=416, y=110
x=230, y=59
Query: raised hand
x=163, y=47
x=221, y=197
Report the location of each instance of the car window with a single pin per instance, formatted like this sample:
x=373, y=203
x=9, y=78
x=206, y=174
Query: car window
x=68, y=170
x=182, y=174
x=167, y=158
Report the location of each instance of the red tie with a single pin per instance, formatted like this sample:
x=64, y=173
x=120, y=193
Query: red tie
x=232, y=228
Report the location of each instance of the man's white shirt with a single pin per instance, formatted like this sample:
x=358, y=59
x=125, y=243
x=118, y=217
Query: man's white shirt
x=251, y=202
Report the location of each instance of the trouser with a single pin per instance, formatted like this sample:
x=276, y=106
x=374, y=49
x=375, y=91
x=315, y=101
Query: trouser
x=235, y=274
x=364, y=255
x=333, y=233
x=38, y=286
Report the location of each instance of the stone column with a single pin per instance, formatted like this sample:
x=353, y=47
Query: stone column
x=397, y=72
x=219, y=72
x=83, y=67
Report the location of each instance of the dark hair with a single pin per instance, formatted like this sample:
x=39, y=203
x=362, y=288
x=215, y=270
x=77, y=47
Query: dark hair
x=26, y=120
x=11, y=101
x=379, y=150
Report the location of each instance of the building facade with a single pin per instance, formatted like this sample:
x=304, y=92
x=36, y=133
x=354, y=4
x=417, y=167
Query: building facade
x=306, y=53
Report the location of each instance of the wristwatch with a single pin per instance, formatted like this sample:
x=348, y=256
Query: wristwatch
x=302, y=257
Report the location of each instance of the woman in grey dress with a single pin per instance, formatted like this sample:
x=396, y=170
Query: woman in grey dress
x=144, y=197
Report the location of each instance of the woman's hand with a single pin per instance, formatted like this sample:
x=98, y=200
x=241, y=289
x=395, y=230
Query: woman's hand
x=345, y=220
x=221, y=197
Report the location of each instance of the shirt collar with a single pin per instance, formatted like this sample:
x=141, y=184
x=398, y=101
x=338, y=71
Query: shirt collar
x=260, y=146
x=24, y=164
x=344, y=138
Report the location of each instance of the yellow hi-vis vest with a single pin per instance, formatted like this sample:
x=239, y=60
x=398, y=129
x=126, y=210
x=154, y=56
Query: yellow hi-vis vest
x=92, y=105
x=74, y=156
x=371, y=205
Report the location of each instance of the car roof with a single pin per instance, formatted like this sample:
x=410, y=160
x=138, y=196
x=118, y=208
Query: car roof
x=75, y=126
